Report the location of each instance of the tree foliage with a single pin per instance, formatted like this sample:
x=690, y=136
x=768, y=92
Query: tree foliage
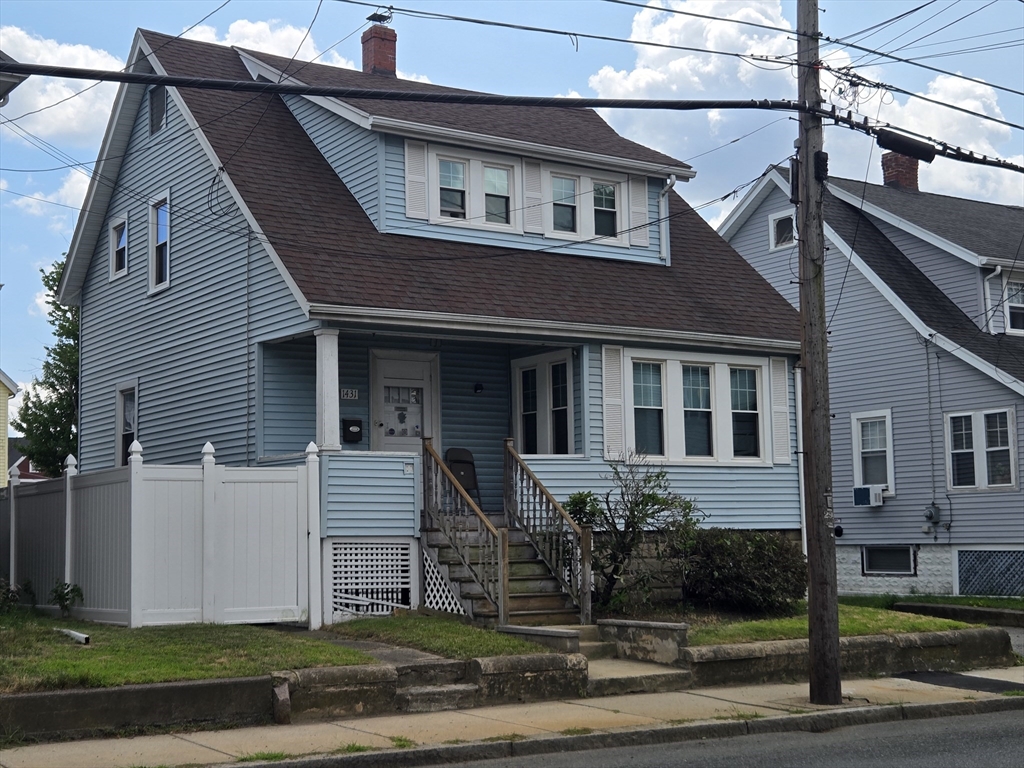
x=48, y=417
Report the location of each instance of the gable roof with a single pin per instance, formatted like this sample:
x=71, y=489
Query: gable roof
x=989, y=230
x=11, y=385
x=932, y=312
x=338, y=259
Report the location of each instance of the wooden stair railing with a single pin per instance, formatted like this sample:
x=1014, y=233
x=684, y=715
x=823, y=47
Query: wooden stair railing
x=561, y=543
x=480, y=546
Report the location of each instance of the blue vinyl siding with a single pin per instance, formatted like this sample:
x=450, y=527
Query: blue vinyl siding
x=288, y=396
x=395, y=221
x=352, y=151
x=370, y=494
x=192, y=347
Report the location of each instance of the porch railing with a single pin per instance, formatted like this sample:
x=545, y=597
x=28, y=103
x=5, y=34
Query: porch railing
x=480, y=546
x=561, y=543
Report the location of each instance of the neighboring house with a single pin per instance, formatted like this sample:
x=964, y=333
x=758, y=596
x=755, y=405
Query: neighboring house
x=925, y=299
x=261, y=272
x=8, y=389
x=27, y=471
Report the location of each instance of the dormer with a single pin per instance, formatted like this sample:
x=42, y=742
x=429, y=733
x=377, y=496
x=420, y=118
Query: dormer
x=533, y=178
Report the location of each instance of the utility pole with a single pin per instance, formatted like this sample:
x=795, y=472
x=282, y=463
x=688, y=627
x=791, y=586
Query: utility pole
x=812, y=169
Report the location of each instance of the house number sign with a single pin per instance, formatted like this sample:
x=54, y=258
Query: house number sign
x=349, y=394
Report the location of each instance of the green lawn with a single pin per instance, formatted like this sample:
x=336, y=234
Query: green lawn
x=434, y=634
x=887, y=601
x=33, y=657
x=853, y=620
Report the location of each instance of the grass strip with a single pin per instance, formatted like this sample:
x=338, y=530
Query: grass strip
x=888, y=601
x=853, y=621
x=34, y=657
x=445, y=637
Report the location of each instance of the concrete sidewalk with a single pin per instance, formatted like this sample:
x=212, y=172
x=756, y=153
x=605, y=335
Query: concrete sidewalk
x=767, y=705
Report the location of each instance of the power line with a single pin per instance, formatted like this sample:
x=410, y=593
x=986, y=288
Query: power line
x=888, y=22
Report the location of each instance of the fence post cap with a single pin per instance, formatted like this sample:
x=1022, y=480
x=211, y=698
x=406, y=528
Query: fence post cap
x=311, y=449
x=14, y=473
x=135, y=449
x=71, y=462
x=208, y=451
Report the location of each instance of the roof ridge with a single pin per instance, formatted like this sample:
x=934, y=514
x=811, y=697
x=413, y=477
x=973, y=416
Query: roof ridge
x=926, y=192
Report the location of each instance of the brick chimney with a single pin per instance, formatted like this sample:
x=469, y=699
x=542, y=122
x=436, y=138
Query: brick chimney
x=379, y=50
x=899, y=171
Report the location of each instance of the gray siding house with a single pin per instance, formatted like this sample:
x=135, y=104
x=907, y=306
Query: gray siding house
x=925, y=295
x=261, y=272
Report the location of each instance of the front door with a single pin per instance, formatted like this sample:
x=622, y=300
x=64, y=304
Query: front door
x=404, y=401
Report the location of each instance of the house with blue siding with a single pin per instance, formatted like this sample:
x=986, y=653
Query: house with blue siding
x=391, y=280
x=925, y=295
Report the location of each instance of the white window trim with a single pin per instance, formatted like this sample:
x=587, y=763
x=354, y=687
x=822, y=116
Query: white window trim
x=1010, y=277
x=890, y=465
x=721, y=406
x=114, y=223
x=585, y=204
x=164, y=197
x=788, y=213
x=119, y=388
x=475, y=210
x=980, y=451
x=864, y=560
x=544, y=431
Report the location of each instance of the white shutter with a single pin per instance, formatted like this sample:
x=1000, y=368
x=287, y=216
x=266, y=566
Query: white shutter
x=614, y=411
x=533, y=214
x=780, y=411
x=638, y=234
x=415, y=180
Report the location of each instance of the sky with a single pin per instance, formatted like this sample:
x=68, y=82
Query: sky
x=978, y=39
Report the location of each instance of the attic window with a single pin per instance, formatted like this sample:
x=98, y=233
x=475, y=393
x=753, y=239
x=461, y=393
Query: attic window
x=157, y=108
x=563, y=197
x=118, y=235
x=1015, y=306
x=453, y=189
x=781, y=229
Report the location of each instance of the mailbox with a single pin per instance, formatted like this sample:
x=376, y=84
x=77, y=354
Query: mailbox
x=351, y=430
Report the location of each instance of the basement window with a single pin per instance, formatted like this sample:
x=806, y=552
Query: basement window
x=888, y=561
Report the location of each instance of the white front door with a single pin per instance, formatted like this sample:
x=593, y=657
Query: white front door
x=404, y=405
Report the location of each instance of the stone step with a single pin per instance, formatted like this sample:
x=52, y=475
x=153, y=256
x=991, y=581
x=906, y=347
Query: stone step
x=615, y=677
x=431, y=673
x=436, y=698
x=597, y=650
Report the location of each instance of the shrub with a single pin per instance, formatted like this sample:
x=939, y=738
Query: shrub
x=750, y=571
x=639, y=513
x=9, y=596
x=64, y=596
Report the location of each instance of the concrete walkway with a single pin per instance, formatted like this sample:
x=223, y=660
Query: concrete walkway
x=611, y=715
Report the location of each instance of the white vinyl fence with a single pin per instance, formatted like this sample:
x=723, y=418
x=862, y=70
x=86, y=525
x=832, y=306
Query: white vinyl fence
x=157, y=544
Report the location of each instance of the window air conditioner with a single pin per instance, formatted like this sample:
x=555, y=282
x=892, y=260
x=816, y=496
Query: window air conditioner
x=867, y=495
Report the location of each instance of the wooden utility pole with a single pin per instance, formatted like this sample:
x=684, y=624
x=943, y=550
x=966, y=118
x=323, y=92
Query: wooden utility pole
x=812, y=165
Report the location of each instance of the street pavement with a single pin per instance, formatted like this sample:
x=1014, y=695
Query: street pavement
x=508, y=723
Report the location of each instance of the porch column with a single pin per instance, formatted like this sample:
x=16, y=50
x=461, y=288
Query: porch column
x=328, y=413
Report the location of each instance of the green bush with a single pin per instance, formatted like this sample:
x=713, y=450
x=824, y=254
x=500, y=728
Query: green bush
x=750, y=571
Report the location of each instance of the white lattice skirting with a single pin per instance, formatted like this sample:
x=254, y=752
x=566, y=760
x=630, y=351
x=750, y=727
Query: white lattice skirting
x=437, y=595
x=370, y=578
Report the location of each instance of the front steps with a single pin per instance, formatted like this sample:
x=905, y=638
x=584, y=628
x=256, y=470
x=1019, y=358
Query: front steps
x=535, y=596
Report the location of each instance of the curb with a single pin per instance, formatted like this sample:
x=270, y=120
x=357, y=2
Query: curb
x=815, y=722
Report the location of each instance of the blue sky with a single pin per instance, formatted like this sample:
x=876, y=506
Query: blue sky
x=36, y=230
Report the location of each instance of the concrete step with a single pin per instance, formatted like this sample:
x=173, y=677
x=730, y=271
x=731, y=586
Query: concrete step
x=436, y=698
x=431, y=673
x=588, y=633
x=615, y=677
x=597, y=650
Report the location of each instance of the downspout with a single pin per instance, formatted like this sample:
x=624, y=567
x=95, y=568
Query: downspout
x=988, y=297
x=663, y=215
x=798, y=382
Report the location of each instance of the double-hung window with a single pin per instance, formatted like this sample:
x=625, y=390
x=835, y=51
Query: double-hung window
x=497, y=195
x=563, y=204
x=697, y=412
x=1015, y=305
x=648, y=409
x=452, y=180
x=746, y=432
x=159, y=243
x=605, y=212
x=544, y=404
x=118, y=234
x=872, y=449
x=980, y=450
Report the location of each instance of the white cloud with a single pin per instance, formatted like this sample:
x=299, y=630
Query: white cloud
x=81, y=119
x=71, y=192
x=271, y=37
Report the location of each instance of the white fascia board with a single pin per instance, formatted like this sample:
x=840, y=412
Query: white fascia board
x=738, y=215
x=108, y=166
x=910, y=228
x=193, y=124
x=919, y=325
x=11, y=385
x=466, y=138
x=546, y=328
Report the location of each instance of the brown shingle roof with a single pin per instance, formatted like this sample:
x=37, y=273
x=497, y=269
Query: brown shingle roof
x=336, y=255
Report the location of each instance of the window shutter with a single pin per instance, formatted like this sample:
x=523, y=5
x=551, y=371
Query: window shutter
x=638, y=234
x=614, y=411
x=533, y=214
x=780, y=411
x=415, y=180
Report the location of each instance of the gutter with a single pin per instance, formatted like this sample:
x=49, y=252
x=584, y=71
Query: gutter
x=448, y=321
